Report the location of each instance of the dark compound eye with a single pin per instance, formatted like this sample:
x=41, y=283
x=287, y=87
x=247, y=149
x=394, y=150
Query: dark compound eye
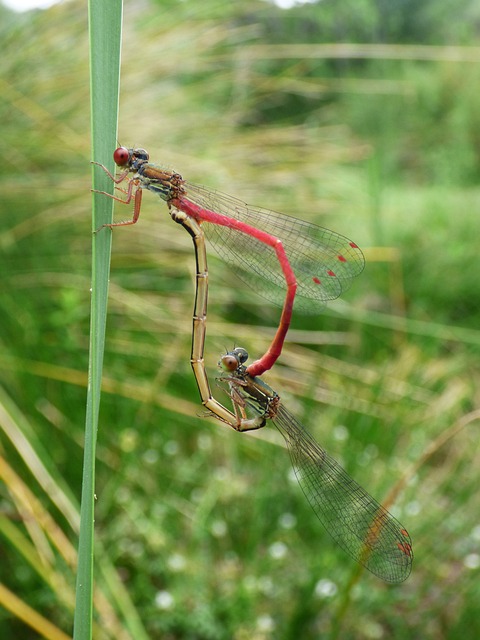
x=141, y=154
x=240, y=354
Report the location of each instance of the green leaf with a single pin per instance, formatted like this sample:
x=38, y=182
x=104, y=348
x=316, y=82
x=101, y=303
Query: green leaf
x=105, y=26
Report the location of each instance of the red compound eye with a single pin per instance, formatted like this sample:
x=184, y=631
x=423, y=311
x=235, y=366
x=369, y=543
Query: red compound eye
x=121, y=156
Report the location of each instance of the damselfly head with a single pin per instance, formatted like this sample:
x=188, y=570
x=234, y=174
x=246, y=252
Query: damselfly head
x=130, y=157
x=233, y=359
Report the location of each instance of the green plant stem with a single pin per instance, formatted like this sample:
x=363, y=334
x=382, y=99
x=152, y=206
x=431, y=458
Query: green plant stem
x=105, y=20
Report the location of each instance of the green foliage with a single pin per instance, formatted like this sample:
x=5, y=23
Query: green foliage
x=201, y=532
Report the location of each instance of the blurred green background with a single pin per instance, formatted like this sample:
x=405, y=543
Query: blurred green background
x=361, y=116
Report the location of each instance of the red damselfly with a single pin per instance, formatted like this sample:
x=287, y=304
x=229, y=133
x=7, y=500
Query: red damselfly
x=268, y=250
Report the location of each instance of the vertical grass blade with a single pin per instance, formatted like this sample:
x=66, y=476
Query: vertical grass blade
x=105, y=24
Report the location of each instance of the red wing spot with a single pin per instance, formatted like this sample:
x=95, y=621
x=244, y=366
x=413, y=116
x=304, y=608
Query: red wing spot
x=353, y=245
x=405, y=548
x=341, y=258
x=316, y=280
x=404, y=533
x=331, y=273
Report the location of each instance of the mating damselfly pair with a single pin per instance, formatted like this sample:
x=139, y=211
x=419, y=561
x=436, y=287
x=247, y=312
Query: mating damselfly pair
x=281, y=258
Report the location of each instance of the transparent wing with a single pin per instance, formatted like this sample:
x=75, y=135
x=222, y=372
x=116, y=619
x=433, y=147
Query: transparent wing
x=324, y=262
x=355, y=520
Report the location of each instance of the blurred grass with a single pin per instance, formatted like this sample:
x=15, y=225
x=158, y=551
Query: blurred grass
x=202, y=532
